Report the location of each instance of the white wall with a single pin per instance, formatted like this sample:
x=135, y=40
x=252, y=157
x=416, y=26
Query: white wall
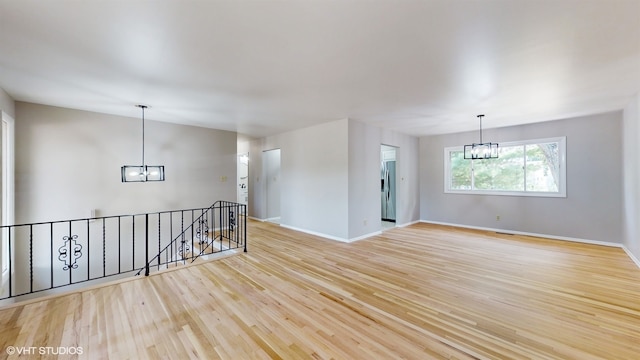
x=364, y=177
x=592, y=209
x=271, y=162
x=330, y=178
x=631, y=130
x=313, y=178
x=244, y=143
x=7, y=104
x=7, y=113
x=407, y=173
x=68, y=162
x=257, y=207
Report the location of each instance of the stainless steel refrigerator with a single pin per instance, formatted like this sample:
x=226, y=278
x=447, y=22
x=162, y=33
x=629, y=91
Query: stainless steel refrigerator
x=388, y=190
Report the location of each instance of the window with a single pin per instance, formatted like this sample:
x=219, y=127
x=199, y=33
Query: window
x=525, y=168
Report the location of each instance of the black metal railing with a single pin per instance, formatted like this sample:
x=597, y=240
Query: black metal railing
x=218, y=228
x=48, y=255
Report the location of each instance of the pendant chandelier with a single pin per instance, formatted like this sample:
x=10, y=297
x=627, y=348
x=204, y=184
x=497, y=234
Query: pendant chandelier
x=143, y=172
x=481, y=150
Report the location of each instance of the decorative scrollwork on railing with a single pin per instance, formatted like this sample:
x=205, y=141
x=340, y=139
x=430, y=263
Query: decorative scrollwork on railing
x=232, y=219
x=184, y=250
x=202, y=232
x=70, y=252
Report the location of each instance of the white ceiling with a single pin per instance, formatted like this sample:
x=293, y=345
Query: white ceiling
x=264, y=67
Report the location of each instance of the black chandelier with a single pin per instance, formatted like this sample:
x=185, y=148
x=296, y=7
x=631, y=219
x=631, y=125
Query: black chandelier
x=143, y=172
x=481, y=150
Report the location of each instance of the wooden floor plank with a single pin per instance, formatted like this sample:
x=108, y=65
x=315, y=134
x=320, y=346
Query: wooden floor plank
x=424, y=291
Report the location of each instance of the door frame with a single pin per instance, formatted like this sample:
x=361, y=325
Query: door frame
x=395, y=150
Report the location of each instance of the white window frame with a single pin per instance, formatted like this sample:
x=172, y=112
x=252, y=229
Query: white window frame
x=562, y=173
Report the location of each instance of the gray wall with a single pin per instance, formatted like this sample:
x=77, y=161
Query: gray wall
x=632, y=177
x=68, y=163
x=271, y=162
x=592, y=209
x=7, y=104
x=7, y=107
x=364, y=177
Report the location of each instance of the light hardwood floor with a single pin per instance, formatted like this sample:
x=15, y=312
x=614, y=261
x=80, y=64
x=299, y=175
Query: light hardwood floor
x=420, y=292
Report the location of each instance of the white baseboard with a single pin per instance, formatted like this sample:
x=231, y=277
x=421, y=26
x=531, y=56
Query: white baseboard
x=554, y=237
x=408, y=224
x=330, y=237
x=375, y=233
x=630, y=254
x=547, y=236
x=264, y=220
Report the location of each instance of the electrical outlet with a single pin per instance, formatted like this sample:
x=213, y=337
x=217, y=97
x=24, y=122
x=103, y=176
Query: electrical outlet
x=497, y=217
x=365, y=222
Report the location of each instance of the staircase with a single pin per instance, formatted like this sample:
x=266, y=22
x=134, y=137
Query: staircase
x=50, y=255
x=206, y=245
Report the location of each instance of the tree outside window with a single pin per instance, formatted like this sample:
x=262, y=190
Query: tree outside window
x=534, y=167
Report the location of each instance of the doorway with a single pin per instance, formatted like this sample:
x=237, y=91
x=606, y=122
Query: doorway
x=272, y=180
x=243, y=179
x=388, y=186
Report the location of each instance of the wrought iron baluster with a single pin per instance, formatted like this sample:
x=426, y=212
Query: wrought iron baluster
x=88, y=250
x=146, y=244
x=10, y=266
x=70, y=275
x=192, y=247
x=71, y=250
x=159, y=240
x=104, y=248
x=31, y=258
x=51, y=253
x=171, y=248
x=119, y=239
x=133, y=242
